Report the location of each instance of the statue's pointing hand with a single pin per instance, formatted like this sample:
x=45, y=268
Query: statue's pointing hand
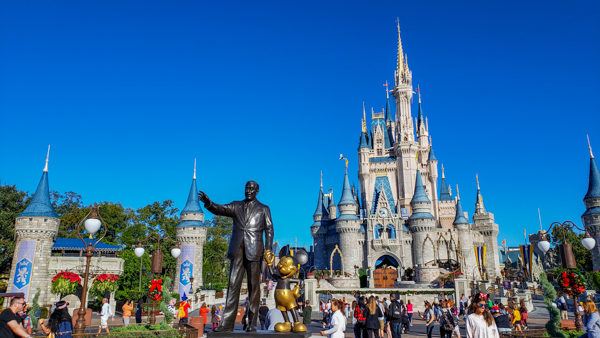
x=202, y=196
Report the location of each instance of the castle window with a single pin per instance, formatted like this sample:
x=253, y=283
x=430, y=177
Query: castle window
x=379, y=152
x=378, y=231
x=391, y=231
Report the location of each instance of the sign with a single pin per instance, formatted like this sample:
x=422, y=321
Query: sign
x=404, y=213
x=24, y=267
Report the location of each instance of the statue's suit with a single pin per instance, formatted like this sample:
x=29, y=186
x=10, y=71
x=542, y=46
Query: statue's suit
x=250, y=220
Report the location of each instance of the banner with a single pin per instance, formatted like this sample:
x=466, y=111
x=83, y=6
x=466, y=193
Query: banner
x=480, y=258
x=186, y=270
x=24, y=267
x=527, y=258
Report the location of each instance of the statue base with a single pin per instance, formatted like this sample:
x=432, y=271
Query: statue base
x=257, y=334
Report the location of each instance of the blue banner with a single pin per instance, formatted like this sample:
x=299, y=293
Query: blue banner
x=24, y=267
x=186, y=270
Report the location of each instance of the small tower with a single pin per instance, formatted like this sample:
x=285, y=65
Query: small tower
x=35, y=229
x=191, y=235
x=347, y=226
x=422, y=223
x=466, y=256
x=432, y=164
x=591, y=216
x=446, y=204
x=318, y=230
x=484, y=223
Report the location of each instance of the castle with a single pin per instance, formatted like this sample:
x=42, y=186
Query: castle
x=402, y=217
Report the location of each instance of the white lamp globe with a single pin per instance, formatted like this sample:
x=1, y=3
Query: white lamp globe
x=588, y=243
x=175, y=252
x=139, y=251
x=544, y=246
x=92, y=225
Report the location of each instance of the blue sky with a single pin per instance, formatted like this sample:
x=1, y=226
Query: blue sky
x=129, y=92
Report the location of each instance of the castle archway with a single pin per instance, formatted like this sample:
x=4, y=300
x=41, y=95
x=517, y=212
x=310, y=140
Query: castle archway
x=386, y=273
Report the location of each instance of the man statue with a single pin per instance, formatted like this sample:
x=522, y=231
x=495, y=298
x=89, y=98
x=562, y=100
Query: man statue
x=246, y=249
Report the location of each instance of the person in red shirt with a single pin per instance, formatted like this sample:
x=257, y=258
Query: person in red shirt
x=204, y=310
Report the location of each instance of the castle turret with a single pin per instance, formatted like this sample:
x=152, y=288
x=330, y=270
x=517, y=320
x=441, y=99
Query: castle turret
x=483, y=221
x=191, y=235
x=591, y=216
x=347, y=226
x=35, y=230
x=316, y=229
x=465, y=239
x=432, y=163
x=422, y=223
x=422, y=132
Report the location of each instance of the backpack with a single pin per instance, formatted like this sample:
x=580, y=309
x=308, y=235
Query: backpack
x=359, y=314
x=396, y=311
x=447, y=321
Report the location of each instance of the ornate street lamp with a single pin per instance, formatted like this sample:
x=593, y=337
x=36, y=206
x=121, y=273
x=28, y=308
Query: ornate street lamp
x=139, y=252
x=565, y=248
x=91, y=223
x=566, y=252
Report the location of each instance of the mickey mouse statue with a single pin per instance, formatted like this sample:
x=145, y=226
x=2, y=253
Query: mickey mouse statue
x=285, y=296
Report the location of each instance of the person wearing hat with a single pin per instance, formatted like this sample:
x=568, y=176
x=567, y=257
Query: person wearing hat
x=184, y=308
x=501, y=319
x=60, y=323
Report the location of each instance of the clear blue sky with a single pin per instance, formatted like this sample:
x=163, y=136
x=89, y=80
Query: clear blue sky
x=129, y=92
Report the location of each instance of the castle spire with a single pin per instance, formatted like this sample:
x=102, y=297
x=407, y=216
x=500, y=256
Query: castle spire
x=593, y=191
x=460, y=214
x=420, y=202
x=431, y=153
x=318, y=215
x=192, y=205
x=40, y=204
x=194, y=176
x=388, y=109
x=479, y=207
x=400, y=53
x=364, y=119
x=445, y=194
x=347, y=204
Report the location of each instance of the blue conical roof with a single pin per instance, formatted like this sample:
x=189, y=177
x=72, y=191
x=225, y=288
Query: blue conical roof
x=320, y=205
x=420, y=196
x=40, y=205
x=192, y=205
x=460, y=214
x=445, y=191
x=431, y=155
x=347, y=197
x=388, y=110
x=594, y=181
x=364, y=143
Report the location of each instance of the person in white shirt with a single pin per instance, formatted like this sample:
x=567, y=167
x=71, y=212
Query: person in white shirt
x=480, y=323
x=338, y=321
x=105, y=313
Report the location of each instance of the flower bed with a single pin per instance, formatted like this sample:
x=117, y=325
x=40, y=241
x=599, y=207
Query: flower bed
x=65, y=283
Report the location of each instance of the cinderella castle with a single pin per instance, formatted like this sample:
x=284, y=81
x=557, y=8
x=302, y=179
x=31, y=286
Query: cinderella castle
x=404, y=216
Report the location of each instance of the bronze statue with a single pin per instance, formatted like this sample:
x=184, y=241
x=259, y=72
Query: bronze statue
x=251, y=219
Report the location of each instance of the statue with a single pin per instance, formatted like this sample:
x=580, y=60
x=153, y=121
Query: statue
x=285, y=296
x=251, y=219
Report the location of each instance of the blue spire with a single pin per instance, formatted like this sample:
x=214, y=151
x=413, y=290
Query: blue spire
x=192, y=215
x=363, y=141
x=320, y=205
x=460, y=214
x=40, y=205
x=347, y=197
x=445, y=194
x=420, y=112
x=594, y=179
x=388, y=110
x=431, y=153
x=420, y=196
x=192, y=204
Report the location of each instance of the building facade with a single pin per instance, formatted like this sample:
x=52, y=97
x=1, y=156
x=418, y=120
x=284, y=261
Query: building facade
x=404, y=214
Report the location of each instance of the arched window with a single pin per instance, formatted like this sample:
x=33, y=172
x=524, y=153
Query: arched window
x=378, y=231
x=391, y=231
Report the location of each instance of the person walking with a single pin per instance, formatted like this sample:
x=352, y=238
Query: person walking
x=515, y=318
x=563, y=307
x=183, y=312
x=373, y=315
x=9, y=319
x=204, y=310
x=591, y=320
x=409, y=312
x=395, y=316
x=429, y=317
x=447, y=323
x=501, y=319
x=60, y=323
x=360, y=314
x=127, y=311
x=105, y=314
x=480, y=322
x=138, y=311
x=338, y=321
x=524, y=314
x=307, y=313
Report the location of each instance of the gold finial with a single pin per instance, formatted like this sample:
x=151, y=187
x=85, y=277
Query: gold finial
x=590, y=146
x=342, y=157
x=47, y=158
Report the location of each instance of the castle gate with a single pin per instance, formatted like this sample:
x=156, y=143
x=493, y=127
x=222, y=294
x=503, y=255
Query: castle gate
x=386, y=272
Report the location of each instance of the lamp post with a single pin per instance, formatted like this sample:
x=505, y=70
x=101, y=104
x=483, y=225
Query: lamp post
x=566, y=253
x=156, y=267
x=91, y=223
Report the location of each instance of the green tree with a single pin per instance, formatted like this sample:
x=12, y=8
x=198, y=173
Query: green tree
x=215, y=251
x=129, y=281
x=12, y=202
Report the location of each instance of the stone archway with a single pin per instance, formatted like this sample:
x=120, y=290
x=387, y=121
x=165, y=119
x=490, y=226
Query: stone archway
x=333, y=252
x=387, y=271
